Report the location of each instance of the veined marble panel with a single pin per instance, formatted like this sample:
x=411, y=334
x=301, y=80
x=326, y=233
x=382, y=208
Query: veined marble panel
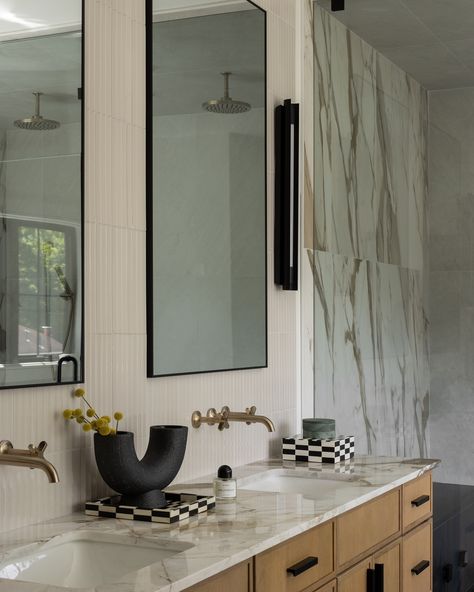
x=370, y=136
x=371, y=356
x=370, y=346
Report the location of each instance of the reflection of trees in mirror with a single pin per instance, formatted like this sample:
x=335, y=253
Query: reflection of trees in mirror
x=46, y=299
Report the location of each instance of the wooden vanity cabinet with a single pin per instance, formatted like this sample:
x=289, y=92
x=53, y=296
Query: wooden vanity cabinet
x=384, y=545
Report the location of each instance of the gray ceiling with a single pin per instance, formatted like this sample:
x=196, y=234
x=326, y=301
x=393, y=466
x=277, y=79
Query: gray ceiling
x=432, y=40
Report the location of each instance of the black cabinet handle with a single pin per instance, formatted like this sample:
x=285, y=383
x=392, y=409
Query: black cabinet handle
x=419, y=501
x=302, y=566
x=420, y=567
x=379, y=577
x=371, y=580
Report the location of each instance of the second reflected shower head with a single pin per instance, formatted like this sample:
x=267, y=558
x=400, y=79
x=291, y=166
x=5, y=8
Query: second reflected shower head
x=36, y=122
x=226, y=105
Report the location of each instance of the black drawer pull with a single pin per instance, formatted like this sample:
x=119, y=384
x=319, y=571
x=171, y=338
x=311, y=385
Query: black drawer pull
x=419, y=501
x=420, y=567
x=371, y=580
x=379, y=577
x=302, y=566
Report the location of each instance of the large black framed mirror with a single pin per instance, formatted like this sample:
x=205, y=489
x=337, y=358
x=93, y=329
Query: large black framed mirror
x=206, y=186
x=41, y=193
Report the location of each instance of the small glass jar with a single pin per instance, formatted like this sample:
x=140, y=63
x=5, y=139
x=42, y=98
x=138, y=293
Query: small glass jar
x=225, y=487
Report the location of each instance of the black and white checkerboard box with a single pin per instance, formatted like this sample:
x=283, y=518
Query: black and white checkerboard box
x=318, y=451
x=180, y=506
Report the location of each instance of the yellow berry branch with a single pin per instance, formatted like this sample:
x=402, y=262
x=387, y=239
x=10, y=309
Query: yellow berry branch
x=91, y=421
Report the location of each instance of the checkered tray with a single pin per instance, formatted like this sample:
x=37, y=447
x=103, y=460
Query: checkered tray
x=318, y=451
x=180, y=507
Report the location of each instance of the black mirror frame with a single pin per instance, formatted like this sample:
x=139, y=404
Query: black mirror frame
x=149, y=200
x=79, y=376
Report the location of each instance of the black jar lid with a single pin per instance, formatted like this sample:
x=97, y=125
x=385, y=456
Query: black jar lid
x=224, y=472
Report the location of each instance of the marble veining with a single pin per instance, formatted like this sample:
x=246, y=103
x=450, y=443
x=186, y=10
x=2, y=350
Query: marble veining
x=234, y=532
x=366, y=256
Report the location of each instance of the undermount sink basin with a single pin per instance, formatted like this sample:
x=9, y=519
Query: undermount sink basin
x=308, y=484
x=86, y=559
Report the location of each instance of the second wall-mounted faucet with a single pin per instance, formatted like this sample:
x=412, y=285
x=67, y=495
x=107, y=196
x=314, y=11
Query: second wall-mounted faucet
x=225, y=416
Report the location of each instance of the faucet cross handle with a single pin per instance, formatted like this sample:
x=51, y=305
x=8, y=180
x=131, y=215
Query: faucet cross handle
x=250, y=411
x=224, y=422
x=37, y=450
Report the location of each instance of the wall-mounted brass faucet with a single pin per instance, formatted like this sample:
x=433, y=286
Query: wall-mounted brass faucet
x=225, y=416
x=33, y=458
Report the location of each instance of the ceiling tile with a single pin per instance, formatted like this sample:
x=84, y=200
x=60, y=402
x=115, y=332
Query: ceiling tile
x=384, y=23
x=447, y=19
x=433, y=66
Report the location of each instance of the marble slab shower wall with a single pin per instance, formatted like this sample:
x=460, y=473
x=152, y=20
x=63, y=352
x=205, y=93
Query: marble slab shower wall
x=367, y=257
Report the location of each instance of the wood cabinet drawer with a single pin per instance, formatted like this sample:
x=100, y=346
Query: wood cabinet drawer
x=362, y=529
x=331, y=587
x=417, y=500
x=271, y=567
x=417, y=559
x=235, y=579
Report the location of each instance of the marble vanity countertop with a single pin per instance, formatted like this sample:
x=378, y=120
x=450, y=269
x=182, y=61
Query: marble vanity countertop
x=233, y=532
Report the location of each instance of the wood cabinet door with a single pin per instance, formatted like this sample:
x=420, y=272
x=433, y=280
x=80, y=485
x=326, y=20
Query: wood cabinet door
x=417, y=559
x=387, y=566
x=235, y=579
x=355, y=580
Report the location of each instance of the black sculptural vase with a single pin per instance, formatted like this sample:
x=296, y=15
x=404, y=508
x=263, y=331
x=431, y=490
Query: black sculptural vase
x=140, y=481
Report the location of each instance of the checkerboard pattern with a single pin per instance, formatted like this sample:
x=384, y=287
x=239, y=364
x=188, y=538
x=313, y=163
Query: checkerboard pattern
x=180, y=507
x=320, y=451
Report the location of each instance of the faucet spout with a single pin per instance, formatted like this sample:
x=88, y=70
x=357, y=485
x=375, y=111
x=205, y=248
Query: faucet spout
x=31, y=458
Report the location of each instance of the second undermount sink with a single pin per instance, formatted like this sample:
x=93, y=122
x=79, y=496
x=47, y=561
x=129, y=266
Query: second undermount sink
x=308, y=484
x=86, y=559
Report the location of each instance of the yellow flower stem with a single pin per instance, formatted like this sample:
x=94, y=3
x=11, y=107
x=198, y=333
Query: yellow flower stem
x=90, y=407
x=116, y=426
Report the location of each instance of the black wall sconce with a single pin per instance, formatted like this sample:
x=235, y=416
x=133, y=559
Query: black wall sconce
x=286, y=195
x=337, y=5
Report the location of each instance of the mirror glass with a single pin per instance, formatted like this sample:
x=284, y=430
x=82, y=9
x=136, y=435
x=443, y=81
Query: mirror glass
x=207, y=186
x=40, y=191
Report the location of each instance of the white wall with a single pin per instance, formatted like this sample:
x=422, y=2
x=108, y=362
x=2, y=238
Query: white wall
x=115, y=294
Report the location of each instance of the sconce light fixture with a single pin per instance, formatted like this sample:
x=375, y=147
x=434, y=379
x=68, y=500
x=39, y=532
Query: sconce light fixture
x=286, y=195
x=337, y=5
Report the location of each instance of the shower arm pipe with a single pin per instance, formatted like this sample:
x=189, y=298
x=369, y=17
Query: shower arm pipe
x=37, y=103
x=226, y=84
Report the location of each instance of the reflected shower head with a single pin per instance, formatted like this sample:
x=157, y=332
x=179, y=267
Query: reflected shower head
x=36, y=122
x=226, y=105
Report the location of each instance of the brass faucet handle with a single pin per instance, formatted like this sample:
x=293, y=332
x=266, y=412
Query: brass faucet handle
x=5, y=446
x=42, y=447
x=250, y=411
x=196, y=419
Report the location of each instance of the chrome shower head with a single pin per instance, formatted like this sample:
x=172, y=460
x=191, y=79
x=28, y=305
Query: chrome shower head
x=36, y=122
x=226, y=105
